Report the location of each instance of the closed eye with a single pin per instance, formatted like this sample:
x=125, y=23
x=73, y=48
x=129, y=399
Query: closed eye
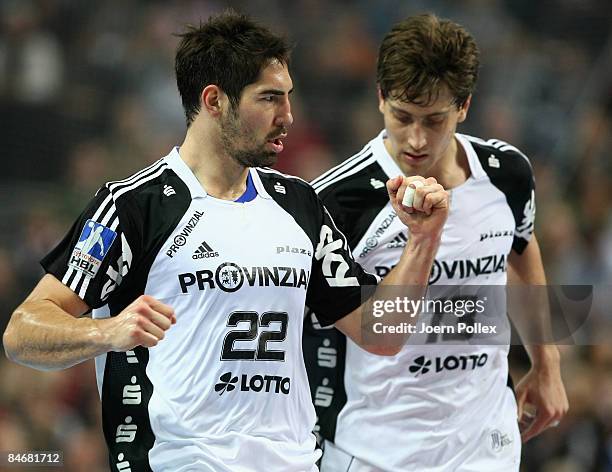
x=434, y=121
x=404, y=118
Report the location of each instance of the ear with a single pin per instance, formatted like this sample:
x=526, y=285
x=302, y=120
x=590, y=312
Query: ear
x=464, y=110
x=213, y=100
x=381, y=100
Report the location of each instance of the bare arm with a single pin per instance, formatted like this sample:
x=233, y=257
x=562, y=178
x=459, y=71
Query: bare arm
x=425, y=220
x=46, y=332
x=542, y=386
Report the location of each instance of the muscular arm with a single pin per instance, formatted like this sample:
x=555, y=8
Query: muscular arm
x=46, y=331
x=527, y=269
x=542, y=386
x=425, y=221
x=412, y=271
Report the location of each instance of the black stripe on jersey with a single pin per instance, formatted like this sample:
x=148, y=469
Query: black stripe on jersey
x=504, y=146
x=158, y=218
x=71, y=278
x=367, y=160
x=345, y=201
x=109, y=218
x=353, y=203
x=269, y=170
x=325, y=358
x=106, y=206
x=342, y=168
x=106, y=215
x=119, y=189
x=137, y=176
x=77, y=282
x=513, y=176
x=148, y=219
x=118, y=419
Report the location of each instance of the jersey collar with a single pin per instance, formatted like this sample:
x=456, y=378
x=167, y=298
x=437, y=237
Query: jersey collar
x=193, y=184
x=186, y=175
x=391, y=168
x=383, y=157
x=261, y=191
x=475, y=166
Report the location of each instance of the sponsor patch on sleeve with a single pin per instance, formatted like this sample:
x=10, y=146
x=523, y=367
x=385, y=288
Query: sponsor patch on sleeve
x=93, y=245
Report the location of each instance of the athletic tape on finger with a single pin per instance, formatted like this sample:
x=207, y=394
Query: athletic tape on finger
x=409, y=194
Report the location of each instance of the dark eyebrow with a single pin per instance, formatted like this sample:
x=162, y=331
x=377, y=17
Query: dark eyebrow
x=440, y=113
x=404, y=112
x=274, y=92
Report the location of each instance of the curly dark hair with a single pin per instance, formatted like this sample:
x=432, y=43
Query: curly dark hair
x=229, y=50
x=423, y=53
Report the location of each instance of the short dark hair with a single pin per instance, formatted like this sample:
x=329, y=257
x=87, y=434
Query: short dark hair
x=229, y=51
x=421, y=54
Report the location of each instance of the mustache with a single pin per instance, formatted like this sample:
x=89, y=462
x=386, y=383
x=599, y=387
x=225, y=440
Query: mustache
x=277, y=133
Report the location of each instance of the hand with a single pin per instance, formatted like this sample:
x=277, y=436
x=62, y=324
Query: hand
x=429, y=209
x=142, y=323
x=542, y=388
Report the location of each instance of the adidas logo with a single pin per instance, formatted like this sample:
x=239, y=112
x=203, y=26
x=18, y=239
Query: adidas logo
x=493, y=161
x=169, y=190
x=376, y=183
x=226, y=383
x=280, y=188
x=420, y=366
x=398, y=241
x=204, y=252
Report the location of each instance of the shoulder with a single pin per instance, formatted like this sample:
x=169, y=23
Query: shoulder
x=354, y=192
x=146, y=202
x=500, y=159
x=270, y=176
x=154, y=189
x=509, y=170
x=354, y=181
x=287, y=188
x=296, y=197
x=157, y=180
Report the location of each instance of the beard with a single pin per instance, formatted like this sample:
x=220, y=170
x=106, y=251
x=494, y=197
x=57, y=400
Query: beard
x=242, y=145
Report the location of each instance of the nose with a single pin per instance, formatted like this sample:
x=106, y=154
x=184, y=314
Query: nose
x=417, y=137
x=284, y=118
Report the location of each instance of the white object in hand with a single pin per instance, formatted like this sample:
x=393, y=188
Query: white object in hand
x=409, y=194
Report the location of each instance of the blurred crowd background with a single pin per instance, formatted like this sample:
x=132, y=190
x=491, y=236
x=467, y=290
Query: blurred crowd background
x=87, y=94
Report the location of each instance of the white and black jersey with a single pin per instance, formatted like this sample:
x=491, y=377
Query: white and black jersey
x=427, y=407
x=227, y=389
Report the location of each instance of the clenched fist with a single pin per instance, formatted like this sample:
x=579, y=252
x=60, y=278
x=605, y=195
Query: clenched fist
x=142, y=323
x=430, y=205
